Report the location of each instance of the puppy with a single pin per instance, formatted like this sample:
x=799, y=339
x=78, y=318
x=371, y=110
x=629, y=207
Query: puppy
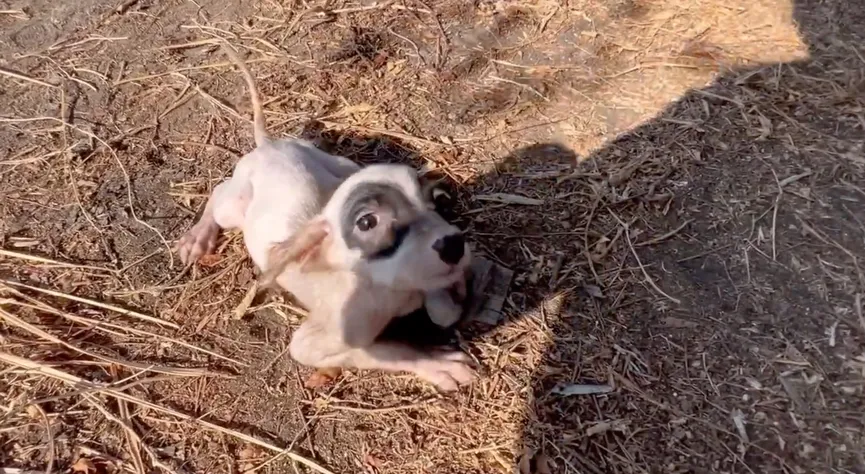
x=356, y=246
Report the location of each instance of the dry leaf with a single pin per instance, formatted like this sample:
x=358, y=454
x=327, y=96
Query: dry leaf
x=83, y=466
x=380, y=60
x=525, y=464
x=322, y=377
x=249, y=452
x=765, y=128
x=33, y=411
x=594, y=291
x=604, y=426
x=372, y=461
x=210, y=260
x=542, y=464
x=538, y=463
x=351, y=110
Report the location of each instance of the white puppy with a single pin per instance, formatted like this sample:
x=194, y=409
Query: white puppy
x=356, y=246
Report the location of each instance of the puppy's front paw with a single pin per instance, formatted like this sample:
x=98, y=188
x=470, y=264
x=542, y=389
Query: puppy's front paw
x=447, y=371
x=198, y=241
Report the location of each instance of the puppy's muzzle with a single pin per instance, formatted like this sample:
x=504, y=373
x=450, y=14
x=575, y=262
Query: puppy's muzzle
x=451, y=248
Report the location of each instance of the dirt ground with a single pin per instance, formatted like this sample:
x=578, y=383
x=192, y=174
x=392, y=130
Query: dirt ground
x=678, y=187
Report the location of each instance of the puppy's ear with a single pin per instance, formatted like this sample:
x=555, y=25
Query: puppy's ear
x=438, y=197
x=430, y=189
x=306, y=248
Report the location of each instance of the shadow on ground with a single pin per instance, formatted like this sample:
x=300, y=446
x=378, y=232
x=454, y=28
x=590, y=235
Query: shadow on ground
x=711, y=275
x=705, y=266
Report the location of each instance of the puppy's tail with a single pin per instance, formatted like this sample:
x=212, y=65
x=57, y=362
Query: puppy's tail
x=259, y=128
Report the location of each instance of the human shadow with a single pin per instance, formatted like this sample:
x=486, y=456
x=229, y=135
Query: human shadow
x=714, y=271
x=703, y=270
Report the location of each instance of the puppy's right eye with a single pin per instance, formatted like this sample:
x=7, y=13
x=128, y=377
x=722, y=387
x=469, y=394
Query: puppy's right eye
x=366, y=222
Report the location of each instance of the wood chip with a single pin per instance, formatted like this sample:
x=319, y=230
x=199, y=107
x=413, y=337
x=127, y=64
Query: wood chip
x=246, y=302
x=580, y=389
x=739, y=421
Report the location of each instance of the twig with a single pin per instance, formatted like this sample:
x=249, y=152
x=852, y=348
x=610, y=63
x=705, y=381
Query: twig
x=48, y=261
x=131, y=436
x=650, y=66
x=116, y=386
x=523, y=86
x=79, y=382
x=781, y=184
x=190, y=68
x=135, y=443
x=98, y=325
x=13, y=320
x=243, y=306
x=666, y=236
x=65, y=118
x=377, y=411
x=775, y=214
x=20, y=14
x=511, y=131
x=642, y=267
x=536, y=66
x=90, y=39
x=98, y=304
x=374, y=6
x=208, y=145
x=126, y=178
x=181, y=98
x=49, y=435
x=24, y=77
x=404, y=136
x=829, y=241
x=191, y=44
x=586, y=249
x=718, y=97
x=709, y=377
x=409, y=41
x=125, y=5
x=216, y=102
x=858, y=302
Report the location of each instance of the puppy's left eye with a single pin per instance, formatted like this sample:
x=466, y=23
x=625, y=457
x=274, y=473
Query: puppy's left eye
x=366, y=222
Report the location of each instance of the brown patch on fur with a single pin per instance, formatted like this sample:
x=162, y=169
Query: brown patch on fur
x=305, y=248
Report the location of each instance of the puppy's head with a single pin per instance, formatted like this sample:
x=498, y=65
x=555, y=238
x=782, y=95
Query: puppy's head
x=380, y=223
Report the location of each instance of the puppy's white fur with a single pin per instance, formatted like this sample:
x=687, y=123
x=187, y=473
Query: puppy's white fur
x=291, y=201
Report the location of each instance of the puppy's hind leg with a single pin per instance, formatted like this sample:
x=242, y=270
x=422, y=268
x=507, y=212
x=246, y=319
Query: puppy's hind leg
x=225, y=209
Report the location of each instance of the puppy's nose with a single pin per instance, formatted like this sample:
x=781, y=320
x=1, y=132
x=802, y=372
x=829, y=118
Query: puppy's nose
x=450, y=248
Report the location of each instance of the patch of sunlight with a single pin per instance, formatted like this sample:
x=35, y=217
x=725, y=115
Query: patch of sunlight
x=668, y=48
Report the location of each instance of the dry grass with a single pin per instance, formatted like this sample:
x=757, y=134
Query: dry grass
x=676, y=185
